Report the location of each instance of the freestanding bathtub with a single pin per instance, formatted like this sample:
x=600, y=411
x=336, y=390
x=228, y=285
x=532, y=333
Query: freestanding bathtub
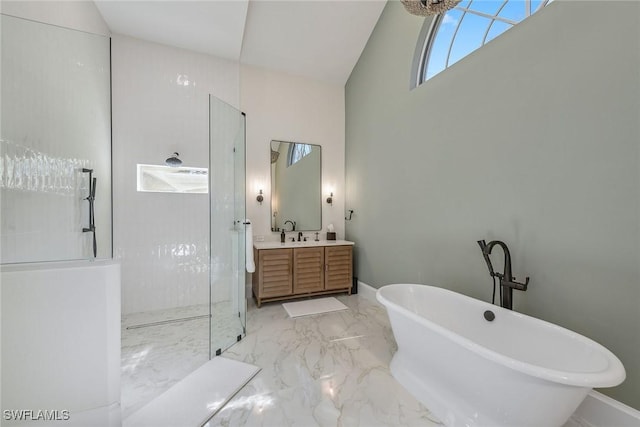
x=515, y=370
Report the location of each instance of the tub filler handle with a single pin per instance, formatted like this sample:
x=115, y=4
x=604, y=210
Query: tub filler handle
x=507, y=281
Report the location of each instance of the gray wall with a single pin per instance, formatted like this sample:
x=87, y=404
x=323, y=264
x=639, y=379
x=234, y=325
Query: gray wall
x=533, y=140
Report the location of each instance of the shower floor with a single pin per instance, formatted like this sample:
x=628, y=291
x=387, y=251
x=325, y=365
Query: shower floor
x=156, y=357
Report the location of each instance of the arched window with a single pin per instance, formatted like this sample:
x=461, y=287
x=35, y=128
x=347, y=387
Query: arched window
x=472, y=23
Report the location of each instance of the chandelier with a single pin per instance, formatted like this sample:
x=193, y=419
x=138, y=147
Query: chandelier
x=428, y=7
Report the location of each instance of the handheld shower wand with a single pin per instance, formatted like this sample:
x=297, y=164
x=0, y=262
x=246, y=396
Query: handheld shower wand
x=485, y=254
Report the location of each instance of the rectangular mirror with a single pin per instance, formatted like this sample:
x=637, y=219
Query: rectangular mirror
x=296, y=186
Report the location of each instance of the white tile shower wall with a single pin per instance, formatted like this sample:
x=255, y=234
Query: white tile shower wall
x=53, y=125
x=161, y=105
x=292, y=108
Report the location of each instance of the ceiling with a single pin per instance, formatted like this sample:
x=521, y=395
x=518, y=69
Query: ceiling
x=318, y=39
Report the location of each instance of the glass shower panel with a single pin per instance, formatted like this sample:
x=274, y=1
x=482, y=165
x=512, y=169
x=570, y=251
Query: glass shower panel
x=239, y=190
x=227, y=199
x=55, y=143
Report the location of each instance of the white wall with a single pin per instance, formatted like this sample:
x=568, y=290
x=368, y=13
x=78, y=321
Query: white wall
x=532, y=139
x=61, y=338
x=291, y=108
x=78, y=15
x=162, y=238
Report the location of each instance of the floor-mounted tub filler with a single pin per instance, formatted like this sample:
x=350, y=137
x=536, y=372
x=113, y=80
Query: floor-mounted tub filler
x=476, y=364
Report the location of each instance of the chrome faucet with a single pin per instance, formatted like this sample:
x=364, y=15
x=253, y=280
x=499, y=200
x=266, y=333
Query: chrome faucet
x=293, y=225
x=507, y=281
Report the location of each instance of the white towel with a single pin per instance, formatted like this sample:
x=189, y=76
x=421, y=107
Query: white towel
x=248, y=233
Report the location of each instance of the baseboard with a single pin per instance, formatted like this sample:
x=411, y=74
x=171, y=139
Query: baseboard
x=367, y=291
x=597, y=410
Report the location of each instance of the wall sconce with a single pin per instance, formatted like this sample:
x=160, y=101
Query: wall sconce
x=330, y=199
x=260, y=198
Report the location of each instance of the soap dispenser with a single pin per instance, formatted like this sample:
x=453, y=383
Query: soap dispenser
x=282, y=236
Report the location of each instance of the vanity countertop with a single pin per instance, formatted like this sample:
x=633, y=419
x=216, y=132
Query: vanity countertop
x=308, y=243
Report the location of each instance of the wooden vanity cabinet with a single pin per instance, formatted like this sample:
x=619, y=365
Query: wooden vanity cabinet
x=296, y=272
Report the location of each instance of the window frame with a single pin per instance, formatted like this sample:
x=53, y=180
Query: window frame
x=428, y=35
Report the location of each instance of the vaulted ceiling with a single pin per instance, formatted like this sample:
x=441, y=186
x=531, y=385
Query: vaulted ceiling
x=318, y=39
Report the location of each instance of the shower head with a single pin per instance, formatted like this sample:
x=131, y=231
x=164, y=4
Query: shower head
x=173, y=161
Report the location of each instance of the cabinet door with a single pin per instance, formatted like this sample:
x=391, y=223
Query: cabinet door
x=276, y=278
x=339, y=267
x=308, y=271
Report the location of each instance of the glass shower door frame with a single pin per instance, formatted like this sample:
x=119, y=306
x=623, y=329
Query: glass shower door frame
x=227, y=300
x=241, y=224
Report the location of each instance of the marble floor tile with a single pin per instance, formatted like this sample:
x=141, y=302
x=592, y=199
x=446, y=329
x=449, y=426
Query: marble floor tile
x=325, y=370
